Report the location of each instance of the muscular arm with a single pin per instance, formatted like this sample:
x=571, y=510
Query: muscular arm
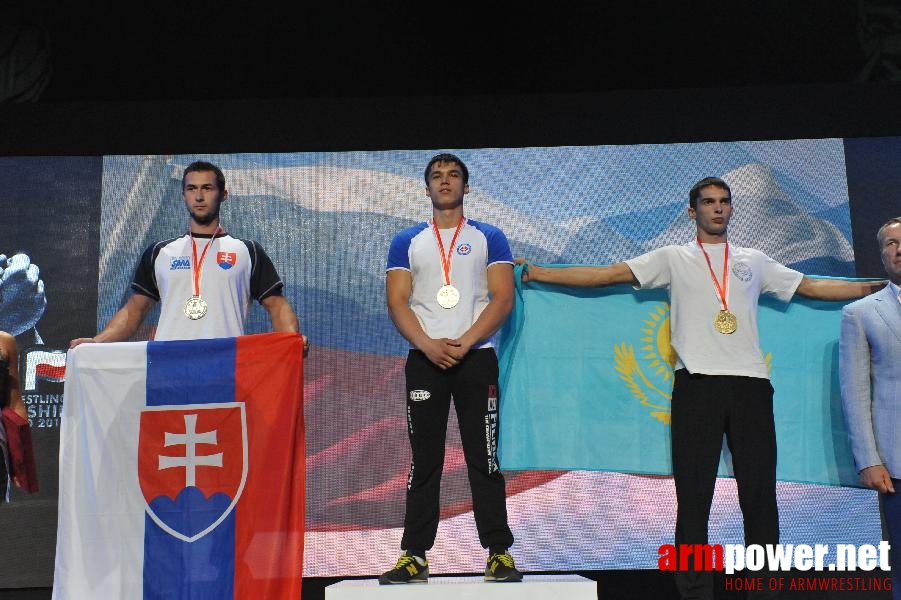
x=283, y=318
x=443, y=352
x=500, y=289
x=124, y=323
x=282, y=315
x=837, y=289
x=580, y=276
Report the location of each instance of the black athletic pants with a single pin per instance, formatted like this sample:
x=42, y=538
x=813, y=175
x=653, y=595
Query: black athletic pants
x=473, y=385
x=705, y=407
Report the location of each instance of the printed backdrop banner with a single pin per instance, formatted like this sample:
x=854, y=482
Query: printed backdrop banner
x=586, y=376
x=182, y=470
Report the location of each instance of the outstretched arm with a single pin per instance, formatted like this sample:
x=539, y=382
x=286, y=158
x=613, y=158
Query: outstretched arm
x=124, y=323
x=838, y=289
x=579, y=276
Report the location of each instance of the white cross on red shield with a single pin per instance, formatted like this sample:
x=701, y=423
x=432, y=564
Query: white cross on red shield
x=192, y=465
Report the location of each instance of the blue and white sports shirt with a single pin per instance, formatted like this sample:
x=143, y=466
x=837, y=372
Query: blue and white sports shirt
x=478, y=246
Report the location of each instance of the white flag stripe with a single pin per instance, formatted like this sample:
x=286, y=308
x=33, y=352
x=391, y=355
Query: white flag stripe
x=100, y=534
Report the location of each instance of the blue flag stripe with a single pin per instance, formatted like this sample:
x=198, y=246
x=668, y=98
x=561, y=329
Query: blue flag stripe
x=179, y=373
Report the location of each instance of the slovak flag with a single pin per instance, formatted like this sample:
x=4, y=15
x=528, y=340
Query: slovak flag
x=226, y=260
x=182, y=470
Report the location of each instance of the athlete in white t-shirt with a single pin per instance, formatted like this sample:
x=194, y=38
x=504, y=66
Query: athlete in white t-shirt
x=204, y=279
x=721, y=384
x=449, y=289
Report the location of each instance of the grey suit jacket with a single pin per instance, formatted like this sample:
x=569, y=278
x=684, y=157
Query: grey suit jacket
x=870, y=369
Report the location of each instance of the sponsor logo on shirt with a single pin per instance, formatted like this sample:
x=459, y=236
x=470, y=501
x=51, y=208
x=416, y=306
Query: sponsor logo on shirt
x=226, y=260
x=742, y=271
x=180, y=262
x=464, y=249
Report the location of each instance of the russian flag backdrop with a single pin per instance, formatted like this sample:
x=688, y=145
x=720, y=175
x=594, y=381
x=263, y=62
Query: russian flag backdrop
x=182, y=470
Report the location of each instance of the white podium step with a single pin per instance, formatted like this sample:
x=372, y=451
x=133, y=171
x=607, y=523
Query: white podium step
x=532, y=587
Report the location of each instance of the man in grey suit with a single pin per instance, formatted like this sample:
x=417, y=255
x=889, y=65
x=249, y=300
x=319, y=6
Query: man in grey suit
x=870, y=367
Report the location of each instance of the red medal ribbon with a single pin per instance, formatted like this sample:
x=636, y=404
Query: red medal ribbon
x=196, y=267
x=725, y=287
x=446, y=260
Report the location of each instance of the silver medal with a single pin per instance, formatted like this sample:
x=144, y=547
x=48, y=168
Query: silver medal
x=195, y=308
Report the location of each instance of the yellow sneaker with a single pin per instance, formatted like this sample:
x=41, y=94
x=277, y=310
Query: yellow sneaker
x=409, y=569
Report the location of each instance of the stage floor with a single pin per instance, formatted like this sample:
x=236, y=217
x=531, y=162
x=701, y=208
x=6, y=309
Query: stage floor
x=611, y=585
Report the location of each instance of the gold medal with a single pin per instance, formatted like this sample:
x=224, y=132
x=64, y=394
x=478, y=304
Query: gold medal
x=448, y=296
x=195, y=308
x=725, y=322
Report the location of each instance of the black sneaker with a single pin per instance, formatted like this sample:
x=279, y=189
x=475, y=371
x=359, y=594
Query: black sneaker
x=501, y=568
x=407, y=570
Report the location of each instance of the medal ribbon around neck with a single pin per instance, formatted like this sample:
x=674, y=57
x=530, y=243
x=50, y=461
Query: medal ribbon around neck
x=720, y=290
x=446, y=259
x=197, y=267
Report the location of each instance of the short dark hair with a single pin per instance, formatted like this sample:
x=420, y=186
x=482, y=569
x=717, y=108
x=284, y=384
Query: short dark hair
x=446, y=157
x=202, y=166
x=891, y=221
x=695, y=192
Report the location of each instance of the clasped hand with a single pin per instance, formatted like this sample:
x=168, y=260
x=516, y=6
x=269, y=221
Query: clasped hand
x=445, y=352
x=22, y=299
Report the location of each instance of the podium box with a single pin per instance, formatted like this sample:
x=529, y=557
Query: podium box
x=532, y=587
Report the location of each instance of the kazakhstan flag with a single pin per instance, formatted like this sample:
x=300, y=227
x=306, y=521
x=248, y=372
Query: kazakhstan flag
x=586, y=376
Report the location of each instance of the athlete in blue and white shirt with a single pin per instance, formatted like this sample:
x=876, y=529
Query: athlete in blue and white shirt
x=449, y=289
x=477, y=248
x=225, y=272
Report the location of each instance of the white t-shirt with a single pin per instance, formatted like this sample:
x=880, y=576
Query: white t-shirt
x=695, y=302
x=233, y=272
x=477, y=247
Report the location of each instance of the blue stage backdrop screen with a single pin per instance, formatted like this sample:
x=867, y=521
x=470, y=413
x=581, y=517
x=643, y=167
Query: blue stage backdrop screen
x=327, y=219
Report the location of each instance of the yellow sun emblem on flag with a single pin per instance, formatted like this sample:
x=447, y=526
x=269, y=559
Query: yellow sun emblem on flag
x=660, y=360
x=653, y=385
